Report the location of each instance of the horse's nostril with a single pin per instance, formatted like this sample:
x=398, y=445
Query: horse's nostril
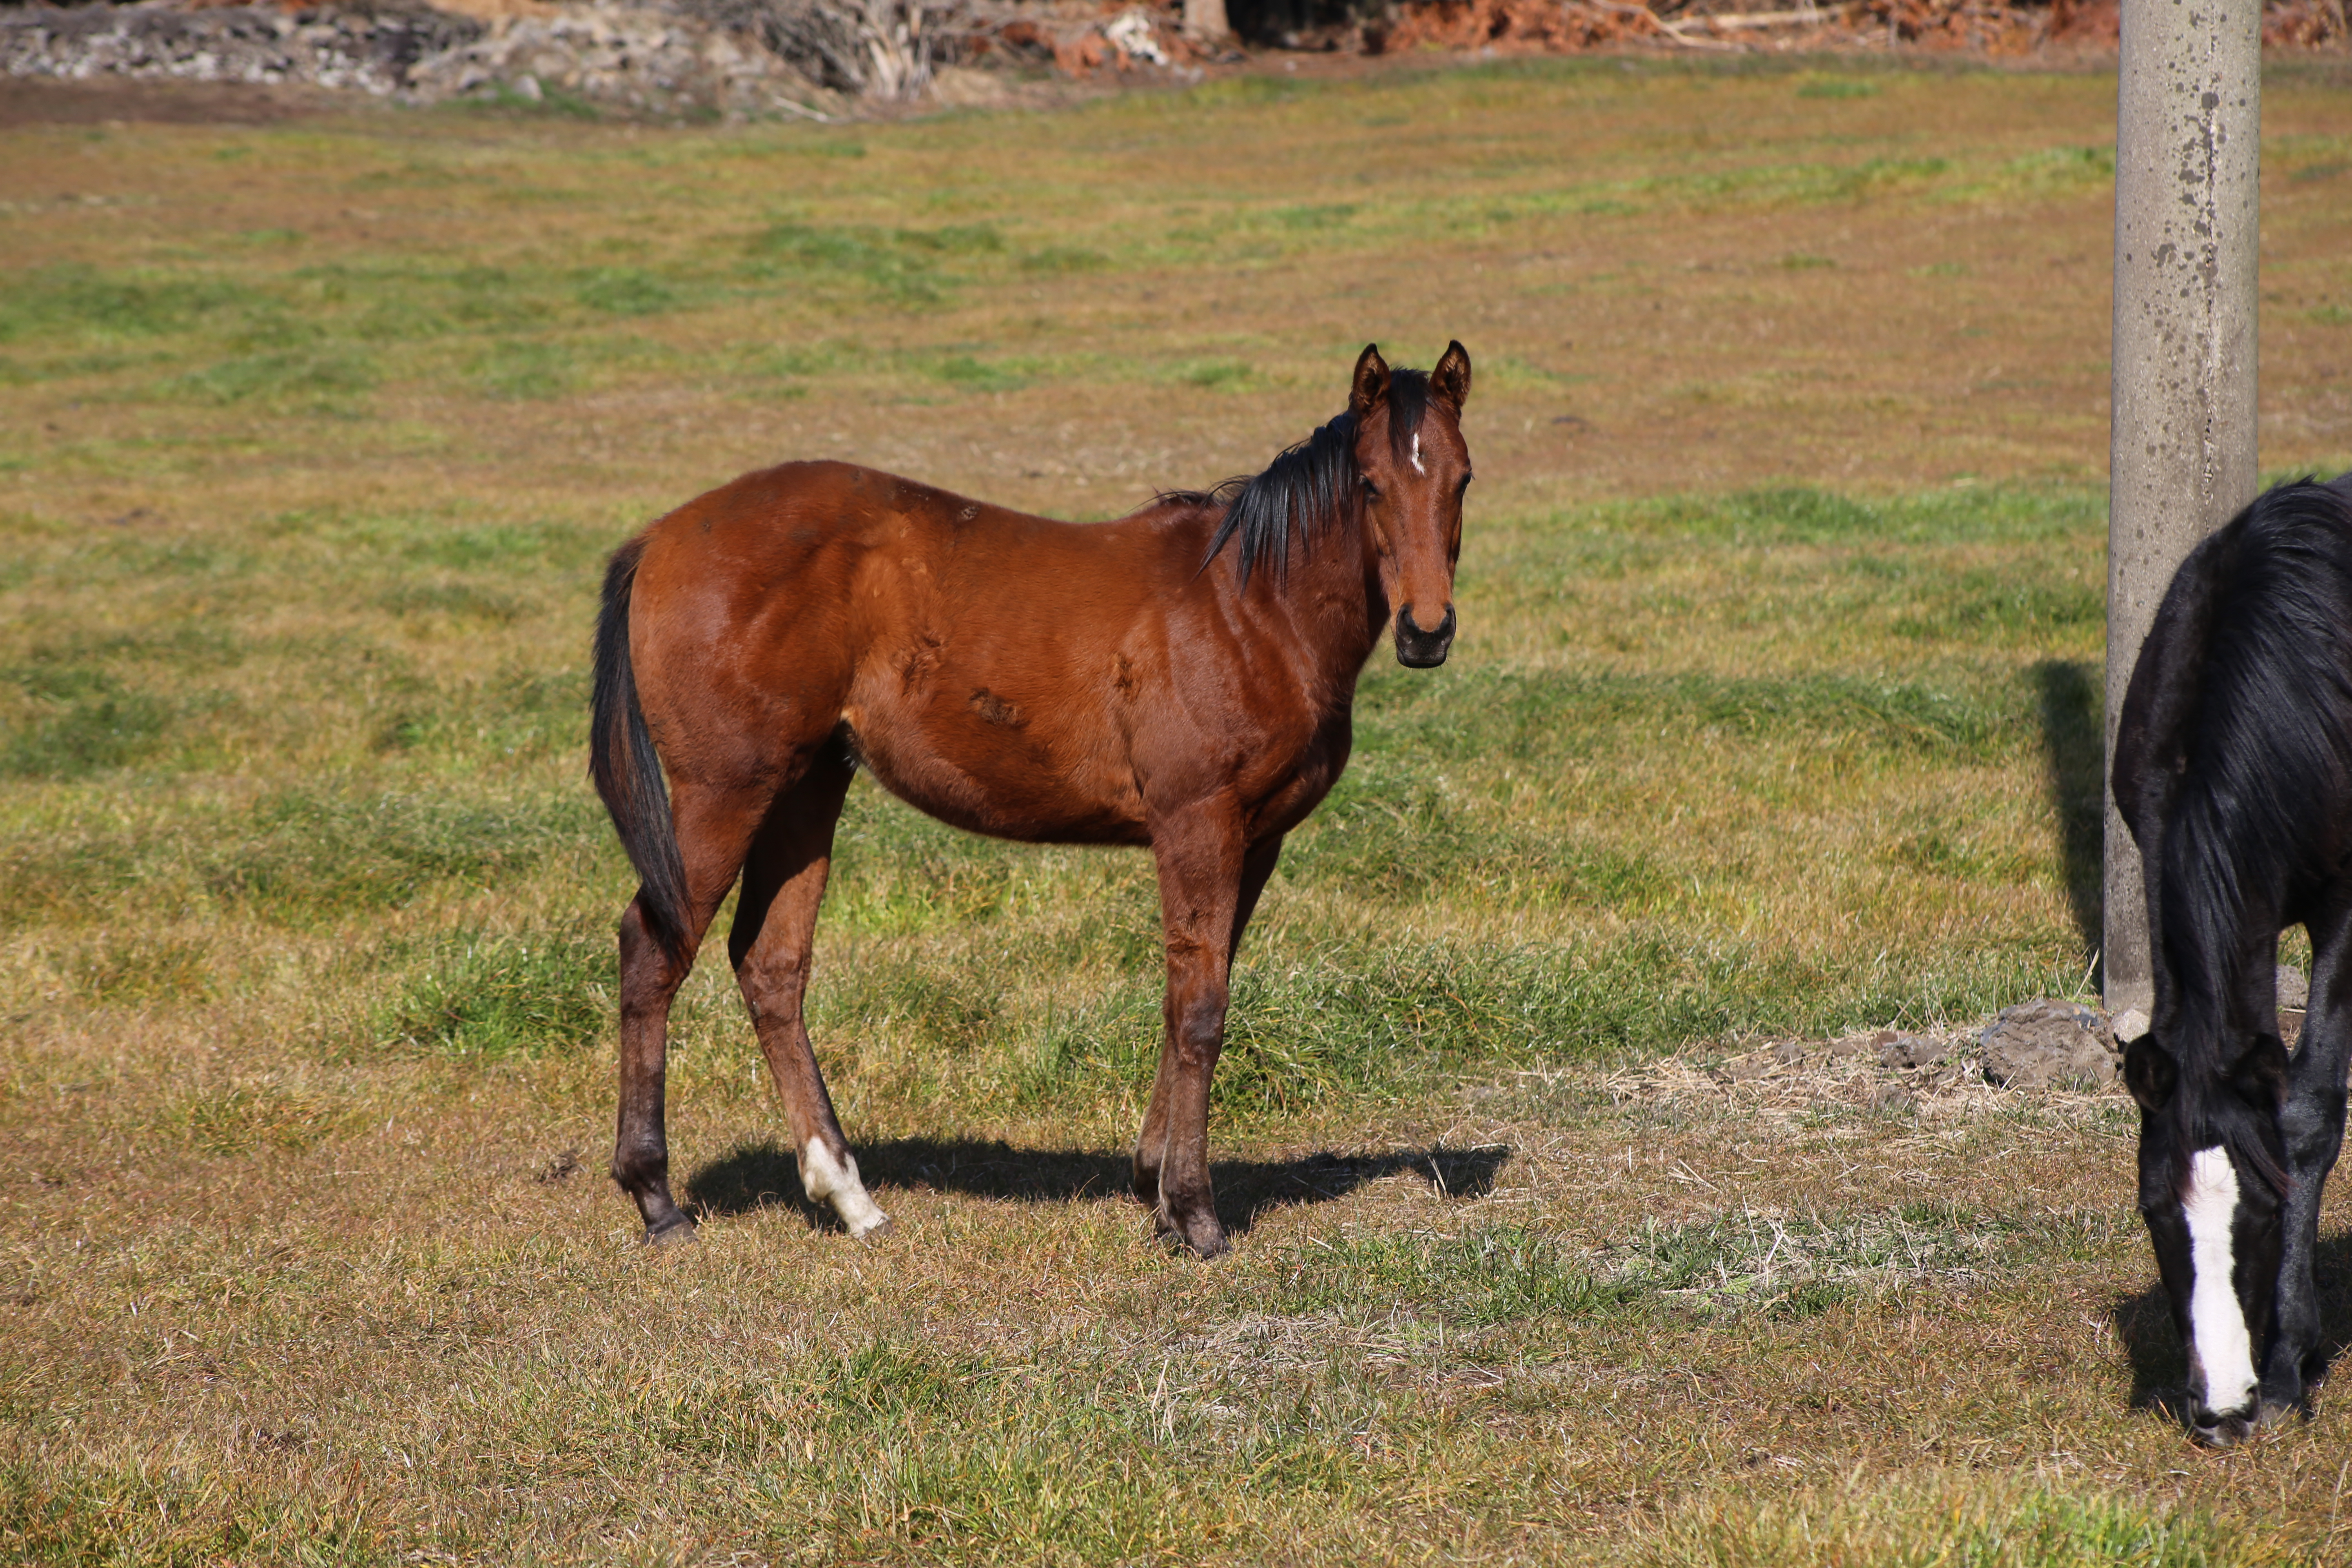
x=2221, y=1434
x=1410, y=623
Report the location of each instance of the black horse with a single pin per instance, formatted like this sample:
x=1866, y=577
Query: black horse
x=2233, y=770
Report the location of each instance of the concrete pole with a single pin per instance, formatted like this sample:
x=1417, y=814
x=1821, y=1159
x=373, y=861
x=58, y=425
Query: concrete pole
x=1205, y=20
x=2181, y=449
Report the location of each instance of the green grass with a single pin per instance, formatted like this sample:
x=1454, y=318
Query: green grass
x=472, y=995
x=1773, y=713
x=1953, y=1523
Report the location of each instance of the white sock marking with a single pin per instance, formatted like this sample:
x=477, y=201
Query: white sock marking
x=2217, y=1323
x=826, y=1179
x=1416, y=454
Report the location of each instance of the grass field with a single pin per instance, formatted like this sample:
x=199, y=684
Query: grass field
x=1773, y=713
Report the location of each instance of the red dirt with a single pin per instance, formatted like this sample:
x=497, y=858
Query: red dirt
x=37, y=100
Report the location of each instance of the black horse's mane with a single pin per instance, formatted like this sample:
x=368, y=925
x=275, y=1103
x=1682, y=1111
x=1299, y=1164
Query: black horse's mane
x=2263, y=757
x=1310, y=483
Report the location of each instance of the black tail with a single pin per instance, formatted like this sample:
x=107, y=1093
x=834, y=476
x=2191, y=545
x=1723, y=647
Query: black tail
x=627, y=770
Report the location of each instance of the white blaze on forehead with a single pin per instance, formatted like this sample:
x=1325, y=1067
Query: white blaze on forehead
x=2217, y=1323
x=1416, y=454
x=827, y=1179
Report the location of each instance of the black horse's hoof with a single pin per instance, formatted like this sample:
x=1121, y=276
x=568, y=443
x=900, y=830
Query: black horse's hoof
x=670, y=1232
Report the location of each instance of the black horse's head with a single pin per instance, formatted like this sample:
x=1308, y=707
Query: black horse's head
x=2212, y=1187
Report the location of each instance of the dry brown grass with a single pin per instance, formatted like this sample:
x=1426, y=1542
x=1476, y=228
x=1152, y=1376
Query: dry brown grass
x=1771, y=713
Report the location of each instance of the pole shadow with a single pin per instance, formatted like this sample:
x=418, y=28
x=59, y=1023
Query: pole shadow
x=2160, y=1362
x=753, y=1176
x=2074, y=773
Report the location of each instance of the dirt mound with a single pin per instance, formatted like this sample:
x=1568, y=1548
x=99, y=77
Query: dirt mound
x=825, y=58
x=815, y=58
x=1980, y=27
x=630, y=56
x=2057, y=1052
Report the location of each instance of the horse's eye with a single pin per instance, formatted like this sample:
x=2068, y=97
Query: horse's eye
x=1371, y=491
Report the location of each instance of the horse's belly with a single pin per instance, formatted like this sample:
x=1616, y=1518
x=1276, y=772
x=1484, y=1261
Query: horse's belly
x=987, y=775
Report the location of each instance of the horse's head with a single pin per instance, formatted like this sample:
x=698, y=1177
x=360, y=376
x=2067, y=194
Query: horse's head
x=2212, y=1190
x=1413, y=467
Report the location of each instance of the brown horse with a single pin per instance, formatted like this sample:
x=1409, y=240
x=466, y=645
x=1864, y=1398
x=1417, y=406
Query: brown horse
x=1129, y=682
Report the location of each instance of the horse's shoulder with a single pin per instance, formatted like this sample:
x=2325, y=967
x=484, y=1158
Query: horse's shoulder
x=1180, y=516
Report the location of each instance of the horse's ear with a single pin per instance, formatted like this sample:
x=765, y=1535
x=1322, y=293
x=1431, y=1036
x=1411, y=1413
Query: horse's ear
x=2150, y=1073
x=1451, y=379
x=2259, y=1076
x=1372, y=381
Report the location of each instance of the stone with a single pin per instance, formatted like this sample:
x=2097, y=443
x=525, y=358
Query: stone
x=1905, y=1052
x=2049, y=1043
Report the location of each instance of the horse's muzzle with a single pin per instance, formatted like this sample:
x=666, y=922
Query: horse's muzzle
x=2215, y=1429
x=2223, y=1432
x=1420, y=649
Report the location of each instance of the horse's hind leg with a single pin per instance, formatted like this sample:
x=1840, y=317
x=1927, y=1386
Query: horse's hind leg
x=776, y=921
x=2311, y=1124
x=713, y=831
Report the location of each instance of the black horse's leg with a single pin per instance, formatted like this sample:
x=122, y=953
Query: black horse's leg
x=2311, y=1124
x=1209, y=884
x=712, y=833
x=776, y=919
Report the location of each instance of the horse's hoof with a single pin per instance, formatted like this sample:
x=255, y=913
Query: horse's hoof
x=671, y=1232
x=1201, y=1235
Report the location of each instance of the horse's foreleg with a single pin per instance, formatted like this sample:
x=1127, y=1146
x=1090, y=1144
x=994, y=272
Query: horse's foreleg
x=1209, y=884
x=775, y=921
x=1257, y=865
x=711, y=838
x=2312, y=1125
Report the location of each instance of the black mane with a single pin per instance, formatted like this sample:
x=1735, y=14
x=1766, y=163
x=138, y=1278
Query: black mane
x=2252, y=710
x=1314, y=481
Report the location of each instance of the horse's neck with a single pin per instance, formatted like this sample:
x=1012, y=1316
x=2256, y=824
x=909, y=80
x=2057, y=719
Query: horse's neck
x=1334, y=605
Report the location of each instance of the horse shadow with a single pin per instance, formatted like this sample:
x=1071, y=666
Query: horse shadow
x=2160, y=1362
x=2074, y=773
x=753, y=1176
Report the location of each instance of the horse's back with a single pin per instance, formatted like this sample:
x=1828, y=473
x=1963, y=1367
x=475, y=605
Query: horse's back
x=990, y=666
x=2234, y=745
x=774, y=523
x=2271, y=589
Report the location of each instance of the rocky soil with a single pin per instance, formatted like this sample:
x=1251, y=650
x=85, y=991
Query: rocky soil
x=2056, y=1053
x=832, y=58
x=815, y=58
